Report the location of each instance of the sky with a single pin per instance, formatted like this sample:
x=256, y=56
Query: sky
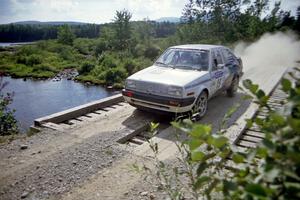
x=97, y=11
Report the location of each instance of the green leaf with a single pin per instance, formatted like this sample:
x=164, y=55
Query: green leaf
x=292, y=185
x=277, y=120
x=237, y=158
x=247, y=83
x=201, y=181
x=253, y=88
x=249, y=123
x=201, y=167
x=228, y=185
x=194, y=144
x=197, y=156
x=200, y=130
x=286, y=84
x=256, y=189
x=260, y=94
x=219, y=142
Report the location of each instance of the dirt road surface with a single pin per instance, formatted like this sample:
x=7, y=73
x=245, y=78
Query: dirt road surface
x=87, y=162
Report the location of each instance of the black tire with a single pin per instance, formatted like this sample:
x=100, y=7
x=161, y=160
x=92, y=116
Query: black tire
x=231, y=91
x=200, y=107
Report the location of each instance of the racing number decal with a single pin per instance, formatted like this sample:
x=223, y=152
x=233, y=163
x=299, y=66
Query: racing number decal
x=219, y=81
x=218, y=76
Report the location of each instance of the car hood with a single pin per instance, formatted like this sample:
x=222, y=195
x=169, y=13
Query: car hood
x=167, y=75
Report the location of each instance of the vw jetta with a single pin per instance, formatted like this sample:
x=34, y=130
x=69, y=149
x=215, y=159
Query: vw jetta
x=184, y=78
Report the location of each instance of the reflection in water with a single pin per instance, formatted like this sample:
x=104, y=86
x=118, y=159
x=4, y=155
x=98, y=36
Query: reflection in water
x=34, y=99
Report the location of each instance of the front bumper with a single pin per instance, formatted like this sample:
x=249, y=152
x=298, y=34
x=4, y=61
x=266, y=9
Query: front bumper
x=168, y=104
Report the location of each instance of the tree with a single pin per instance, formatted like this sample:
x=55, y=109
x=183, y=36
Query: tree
x=188, y=14
x=65, y=35
x=122, y=29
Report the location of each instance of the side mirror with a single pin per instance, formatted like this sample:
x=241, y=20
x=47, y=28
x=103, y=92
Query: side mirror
x=220, y=66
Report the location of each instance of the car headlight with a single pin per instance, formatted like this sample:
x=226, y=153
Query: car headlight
x=175, y=91
x=130, y=84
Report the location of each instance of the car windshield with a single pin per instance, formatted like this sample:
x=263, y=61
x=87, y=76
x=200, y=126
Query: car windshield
x=184, y=58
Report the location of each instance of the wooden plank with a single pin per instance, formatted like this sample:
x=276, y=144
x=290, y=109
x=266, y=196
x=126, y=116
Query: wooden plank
x=136, y=141
x=92, y=115
x=247, y=144
x=53, y=126
x=251, y=138
x=83, y=118
x=255, y=134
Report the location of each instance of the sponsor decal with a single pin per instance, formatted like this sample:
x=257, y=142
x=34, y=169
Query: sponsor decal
x=218, y=74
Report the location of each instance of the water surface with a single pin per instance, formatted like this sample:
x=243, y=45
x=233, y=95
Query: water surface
x=34, y=99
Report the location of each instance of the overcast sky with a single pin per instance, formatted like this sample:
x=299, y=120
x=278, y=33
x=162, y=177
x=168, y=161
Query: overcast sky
x=96, y=11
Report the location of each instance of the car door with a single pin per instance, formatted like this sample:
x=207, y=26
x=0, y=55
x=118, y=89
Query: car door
x=219, y=73
x=232, y=63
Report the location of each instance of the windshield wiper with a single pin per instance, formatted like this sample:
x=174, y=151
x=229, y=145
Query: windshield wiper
x=161, y=63
x=187, y=67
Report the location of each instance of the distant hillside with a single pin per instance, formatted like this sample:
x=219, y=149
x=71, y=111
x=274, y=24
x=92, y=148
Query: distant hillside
x=49, y=23
x=169, y=19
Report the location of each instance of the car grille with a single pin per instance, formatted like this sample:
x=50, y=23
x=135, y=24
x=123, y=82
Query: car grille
x=152, y=88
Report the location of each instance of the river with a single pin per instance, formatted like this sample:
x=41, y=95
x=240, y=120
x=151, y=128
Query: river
x=11, y=44
x=36, y=98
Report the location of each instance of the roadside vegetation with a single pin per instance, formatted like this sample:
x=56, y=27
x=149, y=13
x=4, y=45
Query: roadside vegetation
x=8, y=123
x=106, y=54
x=269, y=171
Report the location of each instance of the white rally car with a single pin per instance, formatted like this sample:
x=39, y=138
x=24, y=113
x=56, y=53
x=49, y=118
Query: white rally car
x=184, y=78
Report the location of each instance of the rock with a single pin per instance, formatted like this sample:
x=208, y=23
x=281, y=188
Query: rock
x=24, y=195
x=23, y=147
x=152, y=196
x=144, y=193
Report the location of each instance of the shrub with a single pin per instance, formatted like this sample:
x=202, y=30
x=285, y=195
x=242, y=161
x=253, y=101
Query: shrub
x=86, y=67
x=107, y=60
x=33, y=60
x=8, y=123
x=101, y=46
x=83, y=45
x=152, y=52
x=114, y=75
x=129, y=65
x=269, y=171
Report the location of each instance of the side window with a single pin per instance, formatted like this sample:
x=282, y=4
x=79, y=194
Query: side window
x=219, y=57
x=216, y=59
x=230, y=58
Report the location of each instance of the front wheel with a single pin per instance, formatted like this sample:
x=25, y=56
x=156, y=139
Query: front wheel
x=231, y=91
x=200, y=106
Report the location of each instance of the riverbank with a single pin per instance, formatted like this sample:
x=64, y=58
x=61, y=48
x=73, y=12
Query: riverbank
x=48, y=59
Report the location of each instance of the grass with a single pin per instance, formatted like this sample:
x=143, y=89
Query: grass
x=45, y=59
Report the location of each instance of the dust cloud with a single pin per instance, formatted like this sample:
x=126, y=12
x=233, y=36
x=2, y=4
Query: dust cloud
x=281, y=49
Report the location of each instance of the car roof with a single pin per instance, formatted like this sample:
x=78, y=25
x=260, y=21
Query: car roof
x=197, y=46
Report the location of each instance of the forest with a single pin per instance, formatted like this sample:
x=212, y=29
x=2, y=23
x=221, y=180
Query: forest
x=106, y=54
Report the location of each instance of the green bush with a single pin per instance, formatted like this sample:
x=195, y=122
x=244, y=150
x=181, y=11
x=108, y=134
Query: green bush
x=84, y=45
x=269, y=171
x=108, y=60
x=33, y=60
x=86, y=67
x=152, y=52
x=114, y=75
x=101, y=46
x=8, y=123
x=129, y=65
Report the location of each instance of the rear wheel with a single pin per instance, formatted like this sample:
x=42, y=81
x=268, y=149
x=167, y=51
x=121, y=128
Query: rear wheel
x=200, y=106
x=231, y=91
